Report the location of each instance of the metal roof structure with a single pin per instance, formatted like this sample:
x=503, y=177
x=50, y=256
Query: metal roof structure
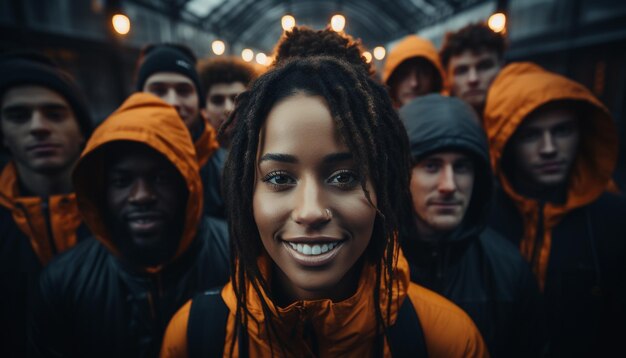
x=256, y=23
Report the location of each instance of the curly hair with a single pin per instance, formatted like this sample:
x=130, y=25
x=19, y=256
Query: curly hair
x=303, y=41
x=225, y=70
x=473, y=37
x=377, y=139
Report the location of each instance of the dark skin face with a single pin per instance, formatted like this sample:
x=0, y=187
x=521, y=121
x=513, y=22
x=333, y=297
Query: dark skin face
x=145, y=204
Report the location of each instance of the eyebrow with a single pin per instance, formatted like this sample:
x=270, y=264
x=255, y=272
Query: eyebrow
x=287, y=158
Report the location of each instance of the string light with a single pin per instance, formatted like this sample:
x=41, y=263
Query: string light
x=379, y=53
x=288, y=22
x=247, y=55
x=497, y=22
x=338, y=22
x=368, y=56
x=121, y=24
x=218, y=47
x=261, y=58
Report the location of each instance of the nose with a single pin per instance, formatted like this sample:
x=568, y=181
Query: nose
x=447, y=183
x=548, y=147
x=142, y=193
x=309, y=210
x=229, y=105
x=171, y=98
x=472, y=76
x=39, y=125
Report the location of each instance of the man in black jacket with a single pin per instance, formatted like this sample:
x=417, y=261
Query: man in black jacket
x=448, y=246
x=138, y=188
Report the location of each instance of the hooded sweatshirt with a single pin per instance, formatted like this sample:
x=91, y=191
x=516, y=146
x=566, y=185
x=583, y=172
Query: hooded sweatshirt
x=341, y=329
x=473, y=266
x=92, y=302
x=412, y=47
x=576, y=248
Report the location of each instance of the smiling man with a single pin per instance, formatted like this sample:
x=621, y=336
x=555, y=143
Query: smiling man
x=138, y=187
x=472, y=58
x=44, y=123
x=449, y=248
x=554, y=148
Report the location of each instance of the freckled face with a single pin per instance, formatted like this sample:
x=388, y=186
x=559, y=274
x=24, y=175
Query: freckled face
x=311, y=212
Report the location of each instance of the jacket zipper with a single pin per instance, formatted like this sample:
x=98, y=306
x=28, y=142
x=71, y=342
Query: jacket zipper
x=538, y=235
x=45, y=209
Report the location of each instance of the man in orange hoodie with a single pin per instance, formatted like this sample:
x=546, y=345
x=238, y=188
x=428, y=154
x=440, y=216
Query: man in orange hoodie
x=413, y=69
x=44, y=125
x=553, y=147
x=139, y=190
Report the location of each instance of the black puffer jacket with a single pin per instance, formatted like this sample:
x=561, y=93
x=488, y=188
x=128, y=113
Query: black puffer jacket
x=92, y=304
x=473, y=266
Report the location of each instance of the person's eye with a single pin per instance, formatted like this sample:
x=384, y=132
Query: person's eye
x=55, y=114
x=463, y=167
x=279, y=180
x=344, y=179
x=158, y=91
x=529, y=136
x=485, y=65
x=461, y=70
x=162, y=178
x=564, y=130
x=431, y=167
x=17, y=115
x=119, y=181
x=184, y=90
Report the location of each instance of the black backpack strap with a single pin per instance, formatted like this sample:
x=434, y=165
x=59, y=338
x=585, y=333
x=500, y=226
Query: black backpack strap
x=406, y=337
x=206, y=328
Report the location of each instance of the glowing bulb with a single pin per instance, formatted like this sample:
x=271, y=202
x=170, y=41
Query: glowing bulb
x=497, y=22
x=121, y=24
x=261, y=58
x=218, y=47
x=288, y=22
x=379, y=53
x=247, y=55
x=338, y=23
x=368, y=56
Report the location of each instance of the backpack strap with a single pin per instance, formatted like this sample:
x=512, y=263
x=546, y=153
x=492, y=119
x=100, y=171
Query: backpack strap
x=406, y=337
x=206, y=328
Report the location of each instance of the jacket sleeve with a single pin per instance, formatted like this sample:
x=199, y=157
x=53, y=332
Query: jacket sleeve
x=175, y=340
x=48, y=333
x=448, y=330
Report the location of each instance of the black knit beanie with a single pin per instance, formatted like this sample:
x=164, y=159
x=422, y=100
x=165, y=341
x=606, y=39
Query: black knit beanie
x=36, y=69
x=167, y=58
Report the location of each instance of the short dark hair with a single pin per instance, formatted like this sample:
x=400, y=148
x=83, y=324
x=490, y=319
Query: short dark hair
x=225, y=70
x=474, y=37
x=303, y=41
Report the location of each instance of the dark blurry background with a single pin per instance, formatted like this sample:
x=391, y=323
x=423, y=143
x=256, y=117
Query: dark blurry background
x=582, y=39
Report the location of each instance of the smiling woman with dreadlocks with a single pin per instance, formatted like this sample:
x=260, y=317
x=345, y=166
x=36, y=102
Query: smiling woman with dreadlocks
x=316, y=180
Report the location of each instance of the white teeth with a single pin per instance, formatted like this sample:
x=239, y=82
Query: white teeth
x=315, y=249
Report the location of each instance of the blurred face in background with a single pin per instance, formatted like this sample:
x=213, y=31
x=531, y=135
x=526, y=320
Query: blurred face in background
x=180, y=92
x=221, y=101
x=40, y=130
x=413, y=78
x=471, y=73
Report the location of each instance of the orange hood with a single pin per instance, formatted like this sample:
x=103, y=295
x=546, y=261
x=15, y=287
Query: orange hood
x=517, y=91
x=340, y=326
x=206, y=144
x=410, y=47
x=145, y=119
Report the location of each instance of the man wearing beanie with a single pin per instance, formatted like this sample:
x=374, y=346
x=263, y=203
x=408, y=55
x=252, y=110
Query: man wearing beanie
x=138, y=188
x=44, y=123
x=413, y=69
x=553, y=148
x=449, y=248
x=169, y=72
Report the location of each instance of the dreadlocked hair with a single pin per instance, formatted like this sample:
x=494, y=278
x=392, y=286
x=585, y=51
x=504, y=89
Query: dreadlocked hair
x=377, y=139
